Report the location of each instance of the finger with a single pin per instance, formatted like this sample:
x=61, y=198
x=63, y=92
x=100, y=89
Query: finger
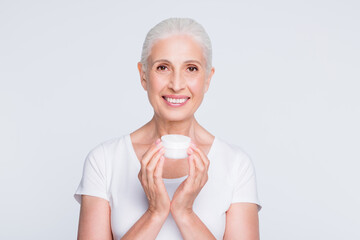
x=199, y=164
x=202, y=155
x=151, y=151
x=150, y=168
x=158, y=174
x=159, y=168
x=191, y=163
x=154, y=160
x=190, y=151
x=155, y=147
x=201, y=171
x=198, y=151
x=190, y=180
x=191, y=167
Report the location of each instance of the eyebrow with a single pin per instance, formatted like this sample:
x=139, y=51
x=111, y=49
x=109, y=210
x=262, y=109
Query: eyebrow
x=167, y=61
x=161, y=60
x=189, y=61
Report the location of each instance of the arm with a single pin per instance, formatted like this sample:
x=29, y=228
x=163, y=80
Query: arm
x=94, y=221
x=242, y=222
x=189, y=224
x=147, y=227
x=150, y=176
x=191, y=227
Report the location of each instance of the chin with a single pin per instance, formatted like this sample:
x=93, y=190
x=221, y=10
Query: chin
x=175, y=117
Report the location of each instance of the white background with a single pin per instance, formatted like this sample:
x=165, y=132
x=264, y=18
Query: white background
x=286, y=89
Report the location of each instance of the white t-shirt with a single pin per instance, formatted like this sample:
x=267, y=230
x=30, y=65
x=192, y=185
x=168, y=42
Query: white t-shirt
x=111, y=172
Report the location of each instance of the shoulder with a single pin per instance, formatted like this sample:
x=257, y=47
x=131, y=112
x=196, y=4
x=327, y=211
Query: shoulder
x=232, y=151
x=108, y=146
x=232, y=157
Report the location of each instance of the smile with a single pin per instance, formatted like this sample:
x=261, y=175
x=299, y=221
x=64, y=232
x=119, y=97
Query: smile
x=176, y=101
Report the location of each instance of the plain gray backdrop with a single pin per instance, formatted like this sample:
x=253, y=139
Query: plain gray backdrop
x=285, y=89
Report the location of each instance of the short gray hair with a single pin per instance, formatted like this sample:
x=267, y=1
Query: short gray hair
x=174, y=26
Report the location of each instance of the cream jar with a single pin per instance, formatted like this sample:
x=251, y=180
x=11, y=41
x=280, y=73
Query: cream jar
x=175, y=146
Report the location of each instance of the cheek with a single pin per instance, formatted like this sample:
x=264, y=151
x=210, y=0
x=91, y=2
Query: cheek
x=197, y=85
x=156, y=83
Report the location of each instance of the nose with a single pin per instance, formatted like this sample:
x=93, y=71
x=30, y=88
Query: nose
x=177, y=82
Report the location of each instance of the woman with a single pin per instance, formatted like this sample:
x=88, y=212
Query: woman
x=129, y=190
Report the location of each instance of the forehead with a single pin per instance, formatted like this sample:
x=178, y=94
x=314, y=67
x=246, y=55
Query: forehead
x=177, y=48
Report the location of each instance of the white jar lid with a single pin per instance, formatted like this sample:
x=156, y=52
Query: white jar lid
x=175, y=141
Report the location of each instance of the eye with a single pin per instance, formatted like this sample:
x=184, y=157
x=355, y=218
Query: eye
x=192, y=69
x=161, y=68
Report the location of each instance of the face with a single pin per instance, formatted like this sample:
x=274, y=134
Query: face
x=176, y=78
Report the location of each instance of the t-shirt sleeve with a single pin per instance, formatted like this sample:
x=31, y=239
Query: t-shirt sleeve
x=93, y=181
x=245, y=189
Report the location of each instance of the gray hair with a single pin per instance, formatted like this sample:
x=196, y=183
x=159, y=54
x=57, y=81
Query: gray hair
x=174, y=26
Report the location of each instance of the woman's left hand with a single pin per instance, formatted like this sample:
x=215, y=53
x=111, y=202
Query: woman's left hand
x=186, y=193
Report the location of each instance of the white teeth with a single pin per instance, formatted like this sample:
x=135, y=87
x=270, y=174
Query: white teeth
x=174, y=100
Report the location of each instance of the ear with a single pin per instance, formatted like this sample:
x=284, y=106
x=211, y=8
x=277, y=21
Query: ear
x=142, y=76
x=208, y=79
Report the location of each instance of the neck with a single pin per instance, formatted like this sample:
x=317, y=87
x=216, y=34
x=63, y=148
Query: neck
x=185, y=127
x=158, y=127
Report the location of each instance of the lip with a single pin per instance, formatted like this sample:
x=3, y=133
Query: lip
x=175, y=97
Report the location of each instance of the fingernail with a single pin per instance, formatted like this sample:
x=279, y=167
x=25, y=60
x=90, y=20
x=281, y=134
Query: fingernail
x=190, y=151
x=158, y=141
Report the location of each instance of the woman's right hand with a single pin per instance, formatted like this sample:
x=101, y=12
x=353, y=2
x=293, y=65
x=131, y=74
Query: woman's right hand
x=150, y=176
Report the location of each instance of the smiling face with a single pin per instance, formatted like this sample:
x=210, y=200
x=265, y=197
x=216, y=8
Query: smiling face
x=176, y=78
